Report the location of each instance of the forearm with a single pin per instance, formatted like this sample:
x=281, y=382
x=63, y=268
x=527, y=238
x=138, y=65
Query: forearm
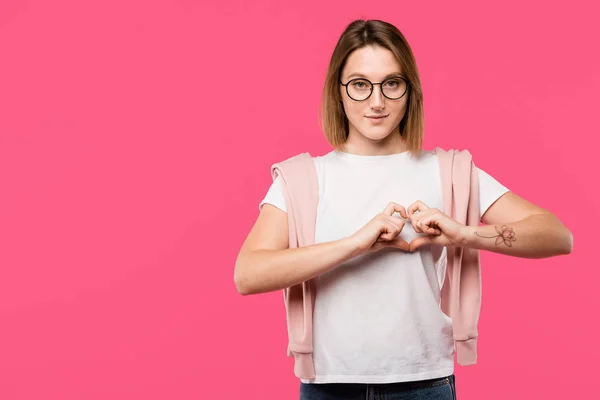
x=263, y=271
x=538, y=236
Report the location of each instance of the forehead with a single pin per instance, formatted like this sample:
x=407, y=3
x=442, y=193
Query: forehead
x=371, y=62
x=359, y=75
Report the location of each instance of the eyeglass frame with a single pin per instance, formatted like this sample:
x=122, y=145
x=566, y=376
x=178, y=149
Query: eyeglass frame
x=373, y=86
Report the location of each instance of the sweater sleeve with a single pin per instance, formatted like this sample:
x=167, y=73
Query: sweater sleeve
x=490, y=190
x=274, y=196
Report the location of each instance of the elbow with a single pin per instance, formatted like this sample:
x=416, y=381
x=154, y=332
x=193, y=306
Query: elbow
x=564, y=241
x=241, y=285
x=568, y=242
x=240, y=280
x=564, y=238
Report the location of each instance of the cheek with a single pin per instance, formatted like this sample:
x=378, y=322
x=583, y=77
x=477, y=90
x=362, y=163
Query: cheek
x=353, y=110
x=400, y=110
x=356, y=111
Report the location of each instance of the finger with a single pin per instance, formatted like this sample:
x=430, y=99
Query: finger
x=422, y=226
x=395, y=243
x=415, y=225
x=389, y=223
x=390, y=230
x=416, y=206
x=395, y=207
x=385, y=237
x=419, y=242
x=430, y=223
x=399, y=244
x=385, y=234
x=397, y=221
x=416, y=220
x=377, y=246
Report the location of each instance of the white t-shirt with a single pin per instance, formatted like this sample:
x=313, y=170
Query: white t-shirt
x=377, y=317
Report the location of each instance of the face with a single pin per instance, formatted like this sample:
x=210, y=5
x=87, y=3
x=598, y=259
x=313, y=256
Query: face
x=375, y=63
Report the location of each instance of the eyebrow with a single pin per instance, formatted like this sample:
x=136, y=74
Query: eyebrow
x=358, y=74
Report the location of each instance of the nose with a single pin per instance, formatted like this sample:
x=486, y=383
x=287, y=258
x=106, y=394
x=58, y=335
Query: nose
x=376, y=100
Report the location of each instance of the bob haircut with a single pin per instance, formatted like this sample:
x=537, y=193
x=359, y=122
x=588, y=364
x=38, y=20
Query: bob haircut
x=359, y=34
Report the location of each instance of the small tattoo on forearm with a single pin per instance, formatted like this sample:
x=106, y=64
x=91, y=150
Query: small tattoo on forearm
x=505, y=235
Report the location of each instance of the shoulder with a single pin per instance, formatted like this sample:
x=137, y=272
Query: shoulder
x=299, y=166
x=425, y=153
x=425, y=156
x=304, y=158
x=451, y=156
x=456, y=152
x=296, y=158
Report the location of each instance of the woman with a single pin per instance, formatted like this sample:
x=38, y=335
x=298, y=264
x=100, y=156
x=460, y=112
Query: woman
x=377, y=325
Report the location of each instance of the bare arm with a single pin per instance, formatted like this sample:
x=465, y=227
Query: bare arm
x=519, y=228
x=265, y=262
x=537, y=236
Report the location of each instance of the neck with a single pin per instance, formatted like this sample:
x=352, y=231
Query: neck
x=362, y=145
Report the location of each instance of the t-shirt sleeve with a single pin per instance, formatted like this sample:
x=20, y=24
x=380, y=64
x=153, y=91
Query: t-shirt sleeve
x=490, y=190
x=274, y=196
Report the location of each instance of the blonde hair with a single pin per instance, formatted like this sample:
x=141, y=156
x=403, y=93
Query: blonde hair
x=359, y=34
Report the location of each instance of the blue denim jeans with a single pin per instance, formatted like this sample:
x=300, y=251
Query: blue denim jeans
x=430, y=389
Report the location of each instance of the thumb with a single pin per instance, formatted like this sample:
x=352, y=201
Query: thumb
x=398, y=244
x=420, y=241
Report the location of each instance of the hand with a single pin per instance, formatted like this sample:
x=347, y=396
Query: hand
x=441, y=229
x=381, y=231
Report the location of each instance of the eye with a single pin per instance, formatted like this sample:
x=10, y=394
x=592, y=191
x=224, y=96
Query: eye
x=360, y=84
x=392, y=83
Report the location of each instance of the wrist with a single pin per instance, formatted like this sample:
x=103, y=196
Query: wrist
x=468, y=236
x=351, y=247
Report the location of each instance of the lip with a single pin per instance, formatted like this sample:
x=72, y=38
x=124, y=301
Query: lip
x=376, y=116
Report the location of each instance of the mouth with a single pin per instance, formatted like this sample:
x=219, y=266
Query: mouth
x=376, y=117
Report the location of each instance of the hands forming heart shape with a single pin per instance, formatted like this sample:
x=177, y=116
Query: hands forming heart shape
x=438, y=227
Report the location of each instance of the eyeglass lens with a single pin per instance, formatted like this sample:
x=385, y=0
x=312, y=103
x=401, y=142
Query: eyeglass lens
x=360, y=89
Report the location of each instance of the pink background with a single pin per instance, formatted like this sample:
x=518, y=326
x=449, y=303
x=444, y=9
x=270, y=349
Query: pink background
x=136, y=139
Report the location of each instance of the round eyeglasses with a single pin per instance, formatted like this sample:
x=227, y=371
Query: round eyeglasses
x=360, y=89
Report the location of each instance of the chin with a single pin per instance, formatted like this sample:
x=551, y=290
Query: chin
x=377, y=133
x=376, y=138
